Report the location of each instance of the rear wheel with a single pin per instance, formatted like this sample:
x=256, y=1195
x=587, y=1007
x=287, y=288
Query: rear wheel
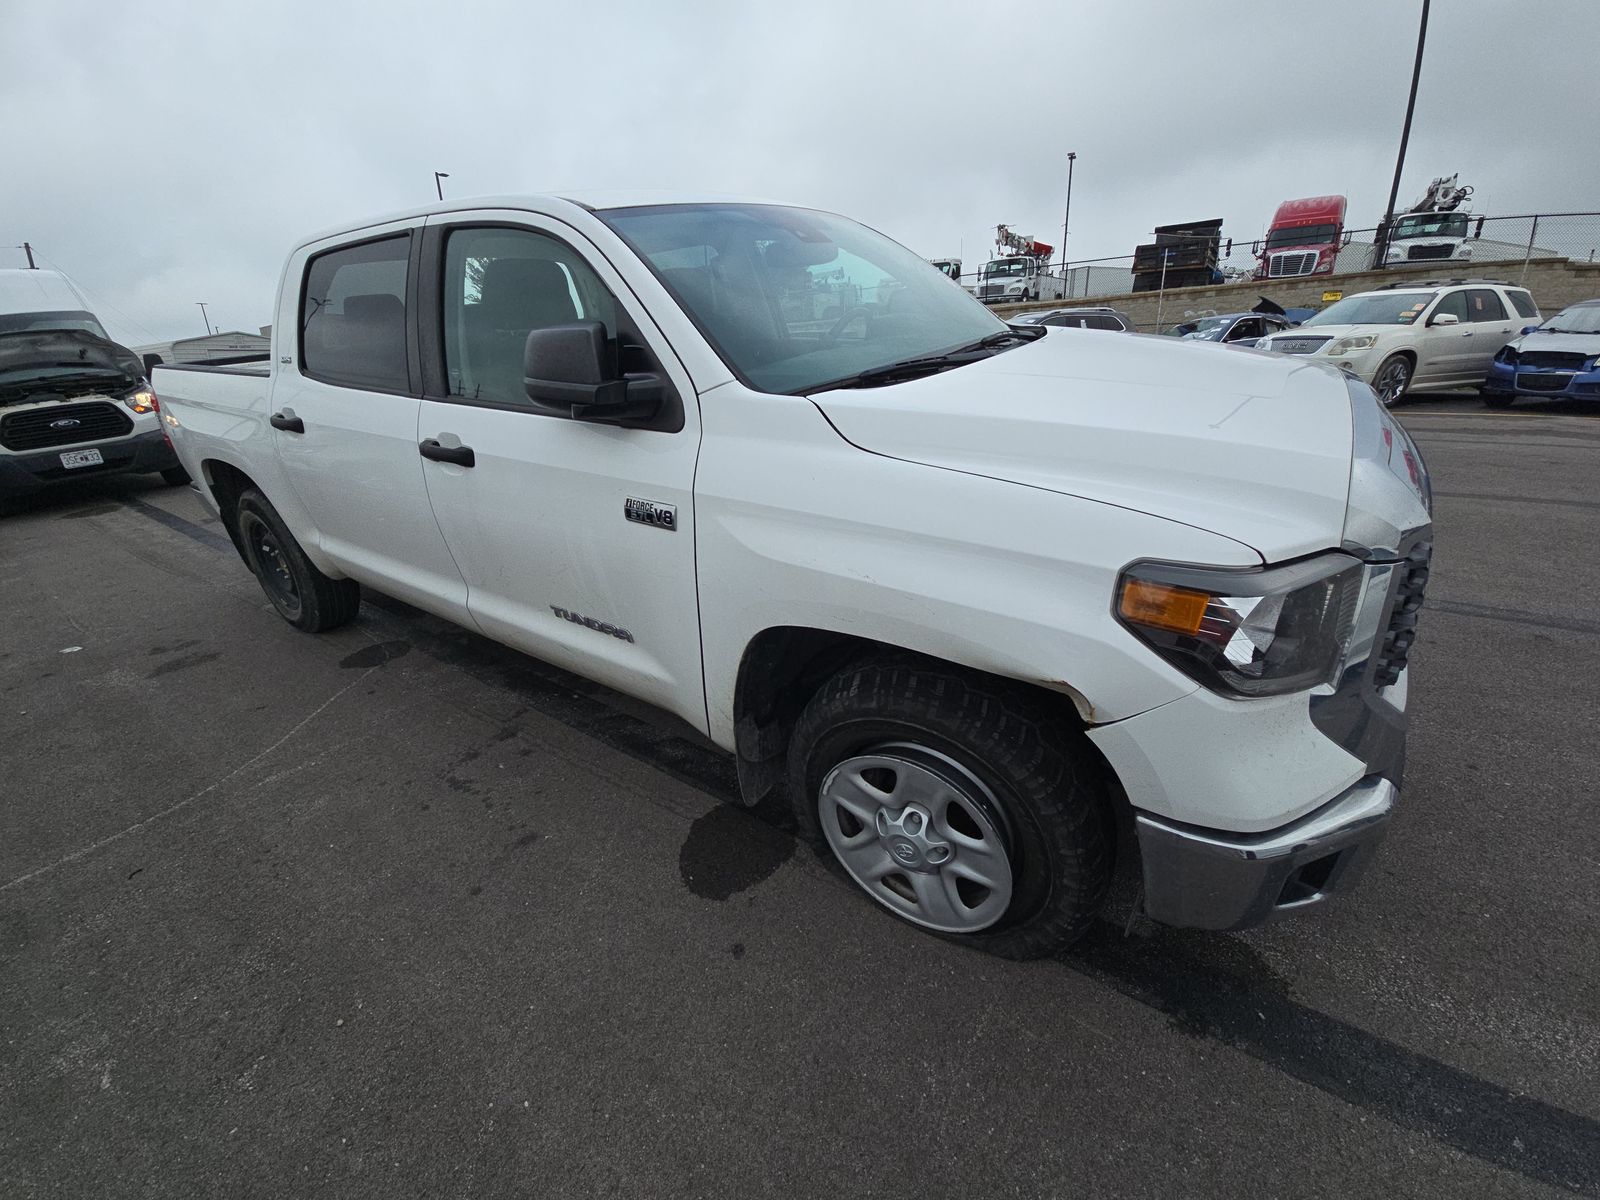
x=1392, y=379
x=303, y=595
x=959, y=804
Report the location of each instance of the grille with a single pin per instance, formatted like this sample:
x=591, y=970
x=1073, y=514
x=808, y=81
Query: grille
x=1543, y=383
x=1402, y=631
x=1282, y=265
x=1413, y=253
x=1559, y=359
x=1304, y=345
x=39, y=428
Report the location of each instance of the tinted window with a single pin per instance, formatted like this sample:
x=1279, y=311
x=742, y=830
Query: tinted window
x=1523, y=303
x=1101, y=322
x=1451, y=302
x=500, y=285
x=353, y=316
x=1484, y=305
x=1246, y=327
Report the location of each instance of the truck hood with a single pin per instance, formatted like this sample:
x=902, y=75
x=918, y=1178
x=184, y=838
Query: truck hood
x=1252, y=446
x=30, y=360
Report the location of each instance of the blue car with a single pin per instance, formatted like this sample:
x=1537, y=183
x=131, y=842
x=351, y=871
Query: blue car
x=1559, y=360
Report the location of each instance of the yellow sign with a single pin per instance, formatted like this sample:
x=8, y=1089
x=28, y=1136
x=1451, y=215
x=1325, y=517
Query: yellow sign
x=1330, y=297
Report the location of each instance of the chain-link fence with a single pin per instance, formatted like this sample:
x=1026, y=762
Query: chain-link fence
x=1438, y=242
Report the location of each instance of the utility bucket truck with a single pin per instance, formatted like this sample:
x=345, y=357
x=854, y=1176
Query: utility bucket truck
x=1019, y=271
x=1432, y=230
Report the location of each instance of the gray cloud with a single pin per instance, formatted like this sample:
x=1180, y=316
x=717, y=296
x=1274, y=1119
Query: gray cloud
x=164, y=153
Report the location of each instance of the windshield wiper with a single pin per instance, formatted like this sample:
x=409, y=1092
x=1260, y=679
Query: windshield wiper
x=929, y=364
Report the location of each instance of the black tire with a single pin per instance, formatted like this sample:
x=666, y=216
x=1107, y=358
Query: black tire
x=1496, y=399
x=174, y=477
x=1052, y=793
x=303, y=595
x=1400, y=366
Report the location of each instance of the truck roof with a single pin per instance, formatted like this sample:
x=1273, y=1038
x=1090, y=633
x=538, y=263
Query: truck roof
x=1310, y=210
x=552, y=203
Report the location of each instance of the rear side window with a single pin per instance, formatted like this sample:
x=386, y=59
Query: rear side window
x=1484, y=305
x=1523, y=303
x=353, y=316
x=1098, y=322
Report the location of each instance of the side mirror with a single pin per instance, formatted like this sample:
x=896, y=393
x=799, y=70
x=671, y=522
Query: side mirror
x=151, y=362
x=573, y=369
x=1444, y=319
x=1527, y=329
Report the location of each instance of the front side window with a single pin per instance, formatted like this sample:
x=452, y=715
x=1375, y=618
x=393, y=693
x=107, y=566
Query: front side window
x=1249, y=327
x=353, y=316
x=499, y=286
x=796, y=300
x=1454, y=303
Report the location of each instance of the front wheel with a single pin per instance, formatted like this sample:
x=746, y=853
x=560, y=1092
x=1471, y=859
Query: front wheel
x=174, y=477
x=961, y=805
x=1496, y=399
x=303, y=595
x=1392, y=379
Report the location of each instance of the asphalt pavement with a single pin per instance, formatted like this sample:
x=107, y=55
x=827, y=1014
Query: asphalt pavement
x=393, y=911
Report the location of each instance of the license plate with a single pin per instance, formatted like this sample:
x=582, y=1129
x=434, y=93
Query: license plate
x=81, y=458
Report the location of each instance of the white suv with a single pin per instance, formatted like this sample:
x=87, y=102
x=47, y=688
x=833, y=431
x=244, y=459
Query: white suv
x=1404, y=336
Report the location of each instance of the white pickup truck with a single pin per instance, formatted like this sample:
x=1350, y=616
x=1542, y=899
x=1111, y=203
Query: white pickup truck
x=984, y=607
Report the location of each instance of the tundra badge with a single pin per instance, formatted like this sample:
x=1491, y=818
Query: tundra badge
x=648, y=512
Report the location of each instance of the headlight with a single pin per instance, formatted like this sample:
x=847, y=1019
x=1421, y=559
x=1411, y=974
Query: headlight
x=1506, y=354
x=1246, y=633
x=1394, y=254
x=1464, y=251
x=1350, y=345
x=142, y=400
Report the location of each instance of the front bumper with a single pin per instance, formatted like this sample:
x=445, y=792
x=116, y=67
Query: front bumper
x=1204, y=879
x=138, y=453
x=1542, y=383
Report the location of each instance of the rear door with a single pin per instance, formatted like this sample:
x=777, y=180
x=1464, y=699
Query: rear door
x=1493, y=326
x=576, y=539
x=345, y=403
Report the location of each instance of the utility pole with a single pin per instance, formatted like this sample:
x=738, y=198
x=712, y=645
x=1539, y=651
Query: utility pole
x=1066, y=221
x=28, y=250
x=1382, y=240
x=437, y=186
x=203, y=316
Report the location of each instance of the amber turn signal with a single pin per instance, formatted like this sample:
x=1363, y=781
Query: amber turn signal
x=1162, y=606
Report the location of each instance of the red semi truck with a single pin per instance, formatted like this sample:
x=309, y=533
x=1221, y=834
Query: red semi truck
x=1304, y=238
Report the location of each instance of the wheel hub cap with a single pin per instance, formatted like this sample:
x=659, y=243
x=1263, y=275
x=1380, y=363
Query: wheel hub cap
x=921, y=835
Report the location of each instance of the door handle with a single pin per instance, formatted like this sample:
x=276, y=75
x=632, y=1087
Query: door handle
x=462, y=456
x=1466, y=333
x=288, y=424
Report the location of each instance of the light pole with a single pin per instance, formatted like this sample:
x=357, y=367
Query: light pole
x=203, y=316
x=437, y=186
x=1380, y=251
x=1066, y=221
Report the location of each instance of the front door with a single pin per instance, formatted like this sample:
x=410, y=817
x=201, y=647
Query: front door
x=1442, y=350
x=576, y=539
x=346, y=428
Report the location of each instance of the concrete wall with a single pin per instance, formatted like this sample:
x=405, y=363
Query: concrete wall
x=1555, y=283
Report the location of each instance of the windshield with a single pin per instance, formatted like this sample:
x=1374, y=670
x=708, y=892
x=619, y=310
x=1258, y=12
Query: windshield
x=793, y=299
x=1305, y=235
x=1580, y=318
x=1209, y=329
x=26, y=322
x=1431, y=225
x=1380, y=308
x=1006, y=266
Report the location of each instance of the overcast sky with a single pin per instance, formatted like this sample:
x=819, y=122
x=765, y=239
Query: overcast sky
x=163, y=153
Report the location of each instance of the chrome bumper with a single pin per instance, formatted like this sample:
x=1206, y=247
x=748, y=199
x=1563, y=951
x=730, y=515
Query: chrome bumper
x=1209, y=879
